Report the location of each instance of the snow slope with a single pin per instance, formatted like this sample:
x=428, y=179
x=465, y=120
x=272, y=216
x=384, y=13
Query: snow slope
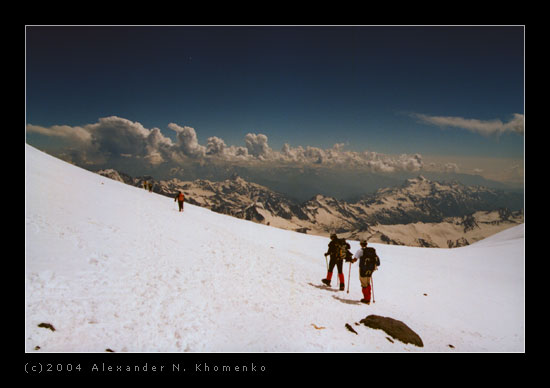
x=114, y=266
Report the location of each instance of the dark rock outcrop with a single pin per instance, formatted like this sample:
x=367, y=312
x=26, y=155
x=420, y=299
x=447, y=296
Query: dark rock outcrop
x=394, y=328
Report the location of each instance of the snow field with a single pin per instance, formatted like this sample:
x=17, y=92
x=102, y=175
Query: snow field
x=114, y=266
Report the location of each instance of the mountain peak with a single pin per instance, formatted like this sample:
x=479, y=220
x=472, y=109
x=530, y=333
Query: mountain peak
x=418, y=179
x=236, y=178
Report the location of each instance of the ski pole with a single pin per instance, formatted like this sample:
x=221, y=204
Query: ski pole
x=349, y=277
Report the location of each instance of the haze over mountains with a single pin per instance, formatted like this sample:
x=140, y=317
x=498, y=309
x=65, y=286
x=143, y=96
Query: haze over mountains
x=301, y=183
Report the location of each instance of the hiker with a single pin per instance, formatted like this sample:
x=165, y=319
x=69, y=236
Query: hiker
x=180, y=198
x=150, y=187
x=368, y=263
x=145, y=185
x=338, y=249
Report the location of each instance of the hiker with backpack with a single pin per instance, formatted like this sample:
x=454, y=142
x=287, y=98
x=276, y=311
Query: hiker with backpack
x=368, y=263
x=338, y=249
x=180, y=198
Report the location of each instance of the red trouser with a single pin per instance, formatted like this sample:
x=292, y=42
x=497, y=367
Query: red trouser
x=339, y=264
x=365, y=285
x=340, y=277
x=366, y=292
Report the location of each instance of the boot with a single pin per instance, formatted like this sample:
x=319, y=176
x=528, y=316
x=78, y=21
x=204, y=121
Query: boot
x=341, y=278
x=366, y=294
x=327, y=280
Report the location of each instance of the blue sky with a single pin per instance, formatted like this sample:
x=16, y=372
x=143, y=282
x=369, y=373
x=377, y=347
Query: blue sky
x=454, y=95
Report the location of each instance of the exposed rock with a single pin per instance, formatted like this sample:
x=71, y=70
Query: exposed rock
x=394, y=328
x=426, y=243
x=348, y=326
x=461, y=242
x=47, y=326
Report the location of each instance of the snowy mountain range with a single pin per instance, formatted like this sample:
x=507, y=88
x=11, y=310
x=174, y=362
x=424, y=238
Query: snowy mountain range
x=113, y=268
x=418, y=213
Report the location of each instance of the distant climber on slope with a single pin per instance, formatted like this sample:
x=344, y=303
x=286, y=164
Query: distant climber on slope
x=180, y=198
x=338, y=249
x=368, y=263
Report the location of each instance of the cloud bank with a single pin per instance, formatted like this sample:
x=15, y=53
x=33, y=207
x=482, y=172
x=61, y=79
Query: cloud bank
x=482, y=127
x=115, y=137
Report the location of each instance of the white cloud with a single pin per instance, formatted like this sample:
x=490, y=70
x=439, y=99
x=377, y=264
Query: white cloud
x=338, y=157
x=77, y=134
x=215, y=146
x=411, y=163
x=257, y=145
x=451, y=168
x=483, y=127
x=115, y=136
x=187, y=141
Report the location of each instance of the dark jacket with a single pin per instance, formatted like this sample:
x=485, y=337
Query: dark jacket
x=333, y=248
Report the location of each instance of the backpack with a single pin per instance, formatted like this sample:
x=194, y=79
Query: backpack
x=369, y=260
x=180, y=198
x=342, y=252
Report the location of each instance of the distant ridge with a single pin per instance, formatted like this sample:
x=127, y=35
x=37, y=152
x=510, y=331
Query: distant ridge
x=420, y=212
